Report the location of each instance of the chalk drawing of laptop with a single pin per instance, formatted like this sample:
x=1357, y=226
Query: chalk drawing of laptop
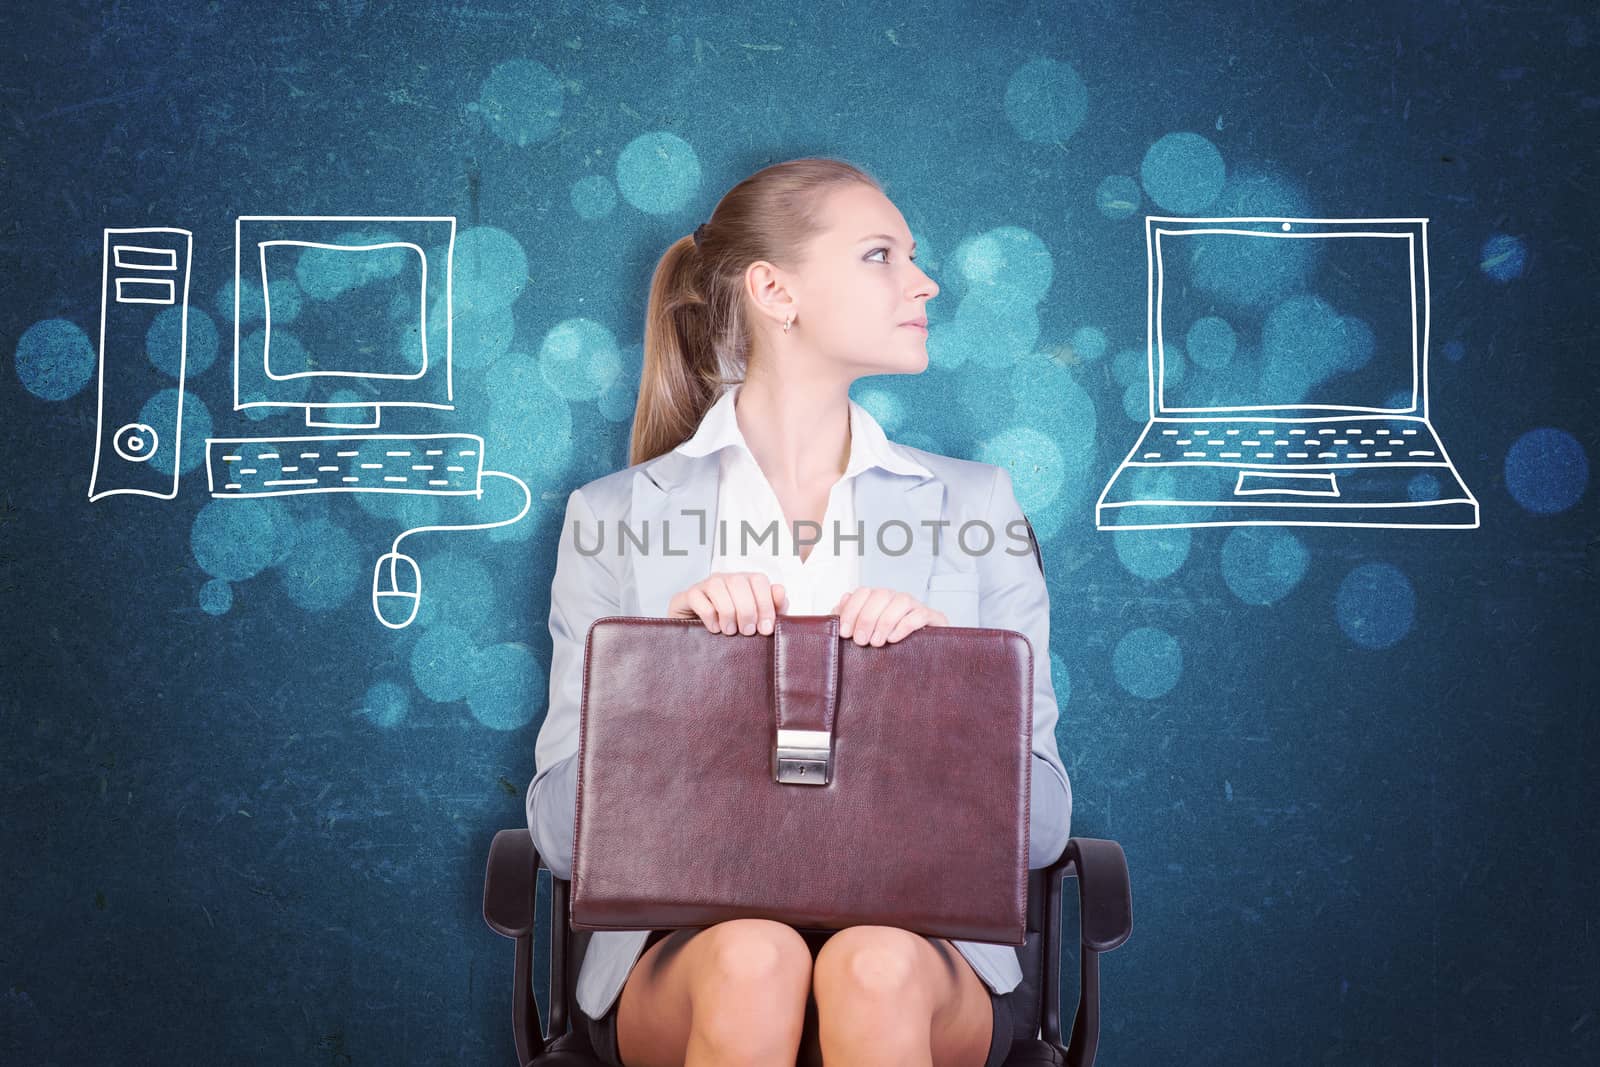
x=1288, y=363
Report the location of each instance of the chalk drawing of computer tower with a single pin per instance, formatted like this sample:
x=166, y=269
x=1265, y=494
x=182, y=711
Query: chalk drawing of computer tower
x=145, y=274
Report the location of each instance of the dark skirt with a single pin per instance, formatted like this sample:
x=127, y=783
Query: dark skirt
x=603, y=1032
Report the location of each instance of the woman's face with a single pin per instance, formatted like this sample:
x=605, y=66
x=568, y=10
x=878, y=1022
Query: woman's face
x=857, y=288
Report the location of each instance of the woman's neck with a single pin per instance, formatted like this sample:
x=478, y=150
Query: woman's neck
x=799, y=432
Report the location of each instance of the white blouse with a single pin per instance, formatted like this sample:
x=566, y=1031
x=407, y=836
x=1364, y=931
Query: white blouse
x=751, y=533
x=750, y=515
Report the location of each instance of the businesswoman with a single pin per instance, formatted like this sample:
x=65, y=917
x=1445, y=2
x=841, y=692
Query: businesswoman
x=802, y=281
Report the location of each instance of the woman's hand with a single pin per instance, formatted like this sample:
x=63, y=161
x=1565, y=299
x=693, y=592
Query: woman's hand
x=883, y=615
x=731, y=602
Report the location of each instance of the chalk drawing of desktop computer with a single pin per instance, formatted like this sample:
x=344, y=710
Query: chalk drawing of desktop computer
x=339, y=318
x=1288, y=380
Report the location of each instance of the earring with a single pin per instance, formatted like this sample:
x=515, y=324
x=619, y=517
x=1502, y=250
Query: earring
x=788, y=322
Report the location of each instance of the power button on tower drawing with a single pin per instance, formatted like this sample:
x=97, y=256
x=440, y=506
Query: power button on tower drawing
x=136, y=442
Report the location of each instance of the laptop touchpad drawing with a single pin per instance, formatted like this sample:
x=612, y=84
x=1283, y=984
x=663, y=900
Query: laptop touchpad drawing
x=1298, y=483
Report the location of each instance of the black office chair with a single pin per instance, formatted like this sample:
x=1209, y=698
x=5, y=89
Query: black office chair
x=1105, y=913
x=1105, y=919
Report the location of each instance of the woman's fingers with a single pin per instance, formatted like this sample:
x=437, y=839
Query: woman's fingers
x=732, y=602
x=894, y=609
x=716, y=587
x=693, y=603
x=759, y=600
x=849, y=608
x=861, y=612
x=748, y=602
x=743, y=587
x=771, y=604
x=880, y=616
x=915, y=619
x=697, y=601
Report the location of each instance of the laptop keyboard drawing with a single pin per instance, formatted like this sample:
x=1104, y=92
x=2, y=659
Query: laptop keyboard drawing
x=1287, y=381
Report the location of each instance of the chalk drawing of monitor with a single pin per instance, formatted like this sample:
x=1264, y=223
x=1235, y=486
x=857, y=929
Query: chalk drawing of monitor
x=342, y=316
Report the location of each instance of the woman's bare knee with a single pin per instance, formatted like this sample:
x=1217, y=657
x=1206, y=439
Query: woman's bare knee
x=748, y=953
x=878, y=962
x=748, y=989
x=731, y=991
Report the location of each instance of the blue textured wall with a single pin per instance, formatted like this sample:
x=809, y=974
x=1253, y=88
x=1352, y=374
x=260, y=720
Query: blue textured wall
x=1350, y=767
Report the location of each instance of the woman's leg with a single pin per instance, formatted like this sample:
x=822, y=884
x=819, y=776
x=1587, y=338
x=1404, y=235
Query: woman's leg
x=891, y=997
x=730, y=993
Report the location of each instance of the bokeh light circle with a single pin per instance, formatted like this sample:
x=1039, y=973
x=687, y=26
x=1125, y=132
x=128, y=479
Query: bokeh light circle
x=324, y=568
x=163, y=342
x=233, y=539
x=54, y=359
x=1152, y=554
x=387, y=704
x=1546, y=470
x=1261, y=564
x=1182, y=172
x=1118, y=197
x=1147, y=662
x=1503, y=257
x=1375, y=605
x=161, y=411
x=579, y=360
x=216, y=597
x=658, y=172
x=506, y=686
x=1046, y=100
x=521, y=102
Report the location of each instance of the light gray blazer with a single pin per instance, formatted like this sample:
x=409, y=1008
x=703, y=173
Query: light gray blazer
x=665, y=495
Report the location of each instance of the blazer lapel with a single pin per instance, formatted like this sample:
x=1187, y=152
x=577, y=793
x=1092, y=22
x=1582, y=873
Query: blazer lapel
x=670, y=485
x=677, y=548
x=883, y=496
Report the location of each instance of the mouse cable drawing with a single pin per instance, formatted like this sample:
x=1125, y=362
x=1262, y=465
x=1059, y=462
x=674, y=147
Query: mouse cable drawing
x=394, y=556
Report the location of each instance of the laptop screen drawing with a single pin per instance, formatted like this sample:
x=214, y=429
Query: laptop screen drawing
x=1266, y=321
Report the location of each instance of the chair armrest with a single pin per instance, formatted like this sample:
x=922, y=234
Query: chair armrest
x=508, y=885
x=1105, y=919
x=1104, y=894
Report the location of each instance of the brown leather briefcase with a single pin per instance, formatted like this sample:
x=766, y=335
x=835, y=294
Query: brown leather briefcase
x=801, y=777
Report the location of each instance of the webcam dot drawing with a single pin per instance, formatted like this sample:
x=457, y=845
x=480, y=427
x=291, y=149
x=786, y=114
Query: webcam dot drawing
x=340, y=317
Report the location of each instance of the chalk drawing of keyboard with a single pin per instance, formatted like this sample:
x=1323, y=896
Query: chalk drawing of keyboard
x=442, y=464
x=1409, y=441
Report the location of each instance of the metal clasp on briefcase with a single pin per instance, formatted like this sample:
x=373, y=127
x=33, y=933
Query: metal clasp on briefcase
x=805, y=692
x=802, y=757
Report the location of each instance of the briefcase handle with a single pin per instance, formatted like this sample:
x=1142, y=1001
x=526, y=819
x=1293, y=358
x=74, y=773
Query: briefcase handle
x=805, y=686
